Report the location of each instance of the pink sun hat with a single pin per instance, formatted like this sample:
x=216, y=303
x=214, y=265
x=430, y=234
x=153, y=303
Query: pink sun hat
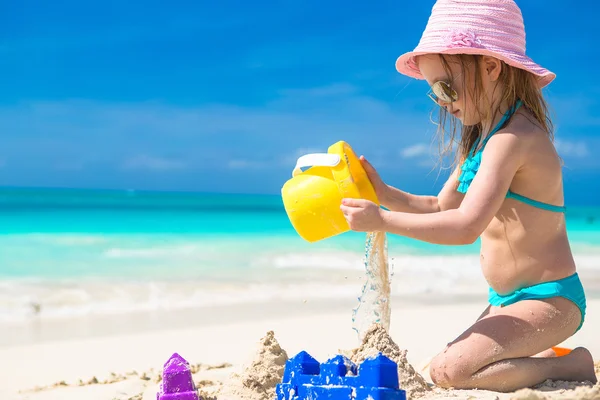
x=487, y=27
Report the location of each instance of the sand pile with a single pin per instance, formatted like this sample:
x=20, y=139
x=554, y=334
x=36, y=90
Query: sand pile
x=528, y=394
x=258, y=379
x=378, y=340
x=559, y=391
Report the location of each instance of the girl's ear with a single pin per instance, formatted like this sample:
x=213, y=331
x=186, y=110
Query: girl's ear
x=491, y=68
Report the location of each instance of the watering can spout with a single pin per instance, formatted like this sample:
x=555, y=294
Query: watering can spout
x=312, y=197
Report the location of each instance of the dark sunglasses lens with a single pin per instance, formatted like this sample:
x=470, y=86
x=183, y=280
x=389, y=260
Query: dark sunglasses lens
x=444, y=92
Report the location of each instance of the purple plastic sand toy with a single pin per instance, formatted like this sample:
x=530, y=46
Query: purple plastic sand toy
x=177, y=383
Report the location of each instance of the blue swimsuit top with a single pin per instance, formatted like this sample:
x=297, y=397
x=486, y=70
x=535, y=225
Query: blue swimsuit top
x=471, y=166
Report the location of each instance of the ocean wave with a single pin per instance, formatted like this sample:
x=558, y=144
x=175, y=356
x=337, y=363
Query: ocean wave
x=62, y=239
x=71, y=275
x=22, y=300
x=275, y=278
x=152, y=252
x=333, y=260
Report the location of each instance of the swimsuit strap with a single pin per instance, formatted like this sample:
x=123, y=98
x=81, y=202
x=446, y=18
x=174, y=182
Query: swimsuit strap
x=509, y=113
x=471, y=166
x=535, y=203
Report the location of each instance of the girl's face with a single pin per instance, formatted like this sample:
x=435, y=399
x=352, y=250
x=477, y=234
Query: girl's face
x=458, y=84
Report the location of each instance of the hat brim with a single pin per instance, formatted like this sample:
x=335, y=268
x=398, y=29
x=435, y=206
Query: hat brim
x=406, y=64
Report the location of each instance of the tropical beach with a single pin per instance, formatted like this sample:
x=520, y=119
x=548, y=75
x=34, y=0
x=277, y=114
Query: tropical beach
x=127, y=366
x=104, y=301
x=144, y=152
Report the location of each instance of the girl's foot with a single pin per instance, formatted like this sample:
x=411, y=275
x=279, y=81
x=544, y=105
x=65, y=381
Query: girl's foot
x=582, y=364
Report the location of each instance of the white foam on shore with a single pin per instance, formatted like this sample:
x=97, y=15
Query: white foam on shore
x=20, y=302
x=262, y=277
x=331, y=260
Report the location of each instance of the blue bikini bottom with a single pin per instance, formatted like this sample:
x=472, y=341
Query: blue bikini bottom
x=570, y=288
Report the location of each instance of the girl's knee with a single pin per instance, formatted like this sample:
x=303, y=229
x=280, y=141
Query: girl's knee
x=449, y=370
x=437, y=372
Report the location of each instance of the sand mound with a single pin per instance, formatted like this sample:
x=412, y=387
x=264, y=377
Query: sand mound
x=259, y=378
x=559, y=391
x=378, y=340
x=528, y=394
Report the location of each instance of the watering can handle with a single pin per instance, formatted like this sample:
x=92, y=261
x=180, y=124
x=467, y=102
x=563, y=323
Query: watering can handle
x=316, y=159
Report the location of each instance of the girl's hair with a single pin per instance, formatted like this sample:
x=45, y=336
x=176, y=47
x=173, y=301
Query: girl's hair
x=515, y=84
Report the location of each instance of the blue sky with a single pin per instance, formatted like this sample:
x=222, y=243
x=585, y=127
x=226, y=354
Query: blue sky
x=224, y=96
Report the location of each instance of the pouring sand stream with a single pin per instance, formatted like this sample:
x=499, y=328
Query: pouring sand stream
x=374, y=303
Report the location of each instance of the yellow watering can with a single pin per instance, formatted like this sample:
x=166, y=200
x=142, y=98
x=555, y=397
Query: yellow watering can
x=312, y=198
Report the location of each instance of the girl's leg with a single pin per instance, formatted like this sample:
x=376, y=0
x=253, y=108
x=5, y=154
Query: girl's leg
x=523, y=372
x=496, y=352
x=544, y=354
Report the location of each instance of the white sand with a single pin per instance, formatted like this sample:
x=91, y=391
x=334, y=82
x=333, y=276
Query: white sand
x=422, y=330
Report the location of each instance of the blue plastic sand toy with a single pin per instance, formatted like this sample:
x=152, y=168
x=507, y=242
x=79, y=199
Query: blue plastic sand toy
x=339, y=379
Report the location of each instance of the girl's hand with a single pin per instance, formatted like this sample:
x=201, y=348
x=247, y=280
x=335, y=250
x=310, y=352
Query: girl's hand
x=362, y=215
x=381, y=189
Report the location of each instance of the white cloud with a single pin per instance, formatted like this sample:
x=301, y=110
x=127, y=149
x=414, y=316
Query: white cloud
x=416, y=150
x=571, y=148
x=154, y=163
x=299, y=122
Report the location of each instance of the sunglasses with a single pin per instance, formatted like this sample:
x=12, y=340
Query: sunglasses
x=443, y=91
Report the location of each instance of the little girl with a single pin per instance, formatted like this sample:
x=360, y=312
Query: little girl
x=507, y=189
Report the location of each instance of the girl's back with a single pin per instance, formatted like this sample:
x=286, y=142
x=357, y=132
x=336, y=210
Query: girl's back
x=525, y=244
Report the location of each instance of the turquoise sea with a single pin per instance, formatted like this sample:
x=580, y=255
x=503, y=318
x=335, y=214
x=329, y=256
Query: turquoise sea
x=77, y=252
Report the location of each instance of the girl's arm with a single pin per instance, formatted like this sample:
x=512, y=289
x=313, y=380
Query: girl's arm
x=463, y=225
x=400, y=201
x=448, y=198
x=501, y=159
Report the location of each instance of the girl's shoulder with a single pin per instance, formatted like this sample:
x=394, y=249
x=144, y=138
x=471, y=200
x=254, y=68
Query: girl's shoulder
x=527, y=129
x=524, y=138
x=534, y=143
